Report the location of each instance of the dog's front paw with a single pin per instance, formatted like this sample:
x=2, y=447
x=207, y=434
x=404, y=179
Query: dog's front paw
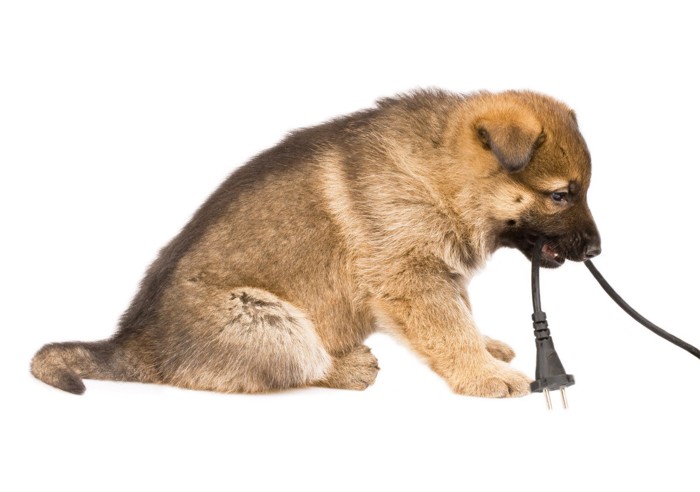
x=499, y=350
x=495, y=379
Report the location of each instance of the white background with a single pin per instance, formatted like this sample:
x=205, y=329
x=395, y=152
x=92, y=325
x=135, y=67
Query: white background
x=117, y=119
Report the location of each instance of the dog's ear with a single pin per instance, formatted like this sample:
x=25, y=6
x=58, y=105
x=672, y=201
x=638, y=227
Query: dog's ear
x=512, y=142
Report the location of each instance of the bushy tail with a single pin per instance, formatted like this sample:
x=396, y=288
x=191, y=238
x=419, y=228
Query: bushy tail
x=64, y=365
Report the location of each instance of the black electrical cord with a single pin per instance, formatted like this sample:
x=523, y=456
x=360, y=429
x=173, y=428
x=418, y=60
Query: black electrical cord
x=535, y=277
x=549, y=371
x=629, y=310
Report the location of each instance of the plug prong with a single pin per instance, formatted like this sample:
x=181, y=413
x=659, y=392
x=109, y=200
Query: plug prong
x=562, y=390
x=547, y=398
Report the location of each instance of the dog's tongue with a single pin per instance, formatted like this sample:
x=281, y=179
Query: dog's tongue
x=549, y=252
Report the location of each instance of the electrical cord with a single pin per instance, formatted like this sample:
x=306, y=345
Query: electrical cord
x=535, y=277
x=638, y=317
x=549, y=372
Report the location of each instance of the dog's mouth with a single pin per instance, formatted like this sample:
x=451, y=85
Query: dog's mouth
x=551, y=255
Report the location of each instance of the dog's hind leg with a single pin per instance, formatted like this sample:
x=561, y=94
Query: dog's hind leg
x=244, y=340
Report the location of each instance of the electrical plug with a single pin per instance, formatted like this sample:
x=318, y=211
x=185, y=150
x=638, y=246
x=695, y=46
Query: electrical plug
x=549, y=371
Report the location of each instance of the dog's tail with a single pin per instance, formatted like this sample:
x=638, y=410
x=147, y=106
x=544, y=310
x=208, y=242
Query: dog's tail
x=64, y=365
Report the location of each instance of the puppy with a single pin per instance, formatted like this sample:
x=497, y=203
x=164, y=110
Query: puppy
x=376, y=219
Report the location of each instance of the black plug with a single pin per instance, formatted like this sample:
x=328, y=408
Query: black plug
x=549, y=372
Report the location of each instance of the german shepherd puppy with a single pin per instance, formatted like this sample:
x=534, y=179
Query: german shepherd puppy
x=373, y=220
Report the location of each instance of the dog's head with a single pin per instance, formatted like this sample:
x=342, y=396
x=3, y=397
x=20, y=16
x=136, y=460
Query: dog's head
x=535, y=170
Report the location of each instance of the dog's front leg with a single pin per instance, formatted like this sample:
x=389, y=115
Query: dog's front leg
x=429, y=310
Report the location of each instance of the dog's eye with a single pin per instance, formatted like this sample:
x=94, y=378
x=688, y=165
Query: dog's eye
x=560, y=196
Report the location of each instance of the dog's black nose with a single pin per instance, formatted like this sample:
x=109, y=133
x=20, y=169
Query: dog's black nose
x=592, y=250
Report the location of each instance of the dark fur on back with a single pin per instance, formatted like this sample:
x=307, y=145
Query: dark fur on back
x=295, y=150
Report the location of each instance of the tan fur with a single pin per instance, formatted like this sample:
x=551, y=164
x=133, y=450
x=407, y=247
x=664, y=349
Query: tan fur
x=374, y=221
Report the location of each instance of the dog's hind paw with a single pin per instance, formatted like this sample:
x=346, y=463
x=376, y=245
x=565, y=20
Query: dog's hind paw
x=355, y=370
